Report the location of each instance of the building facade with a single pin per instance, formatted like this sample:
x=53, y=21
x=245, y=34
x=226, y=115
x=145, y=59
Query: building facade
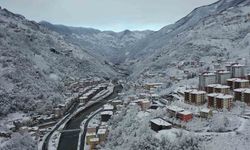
x=219, y=101
x=206, y=79
x=195, y=97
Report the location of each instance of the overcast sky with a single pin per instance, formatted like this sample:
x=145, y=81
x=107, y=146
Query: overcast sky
x=114, y=15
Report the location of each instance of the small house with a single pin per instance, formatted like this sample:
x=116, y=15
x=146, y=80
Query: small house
x=158, y=124
x=184, y=116
x=206, y=113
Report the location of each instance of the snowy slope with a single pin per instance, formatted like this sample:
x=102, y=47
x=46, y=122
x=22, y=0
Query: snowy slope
x=206, y=34
x=110, y=44
x=34, y=63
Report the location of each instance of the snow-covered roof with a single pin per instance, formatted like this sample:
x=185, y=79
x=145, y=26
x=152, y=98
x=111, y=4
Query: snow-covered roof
x=101, y=131
x=224, y=96
x=94, y=140
x=198, y=92
x=90, y=133
x=195, y=91
x=208, y=74
x=224, y=72
x=245, y=90
x=108, y=107
x=232, y=79
x=220, y=86
x=175, y=108
x=238, y=65
x=205, y=110
x=107, y=113
x=185, y=112
x=220, y=95
x=241, y=80
x=213, y=85
x=160, y=122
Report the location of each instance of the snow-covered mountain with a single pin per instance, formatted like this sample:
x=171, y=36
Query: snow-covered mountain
x=217, y=30
x=34, y=62
x=112, y=45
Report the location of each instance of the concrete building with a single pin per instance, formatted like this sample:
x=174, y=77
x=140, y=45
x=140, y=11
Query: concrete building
x=205, y=79
x=219, y=101
x=195, y=97
x=184, y=116
x=222, y=76
x=158, y=124
x=206, y=113
x=102, y=134
x=243, y=95
x=217, y=88
x=238, y=71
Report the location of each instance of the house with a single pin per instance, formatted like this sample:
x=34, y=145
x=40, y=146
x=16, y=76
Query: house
x=217, y=88
x=158, y=124
x=173, y=110
x=206, y=113
x=222, y=76
x=195, y=97
x=205, y=79
x=242, y=94
x=219, y=101
x=106, y=115
x=144, y=103
x=102, y=134
x=93, y=142
x=184, y=116
x=154, y=97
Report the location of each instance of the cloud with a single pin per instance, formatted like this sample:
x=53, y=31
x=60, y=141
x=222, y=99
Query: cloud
x=105, y=14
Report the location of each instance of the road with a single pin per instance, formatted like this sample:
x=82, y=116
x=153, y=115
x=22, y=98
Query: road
x=68, y=140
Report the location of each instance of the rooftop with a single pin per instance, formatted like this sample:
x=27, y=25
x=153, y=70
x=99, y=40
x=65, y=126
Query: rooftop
x=102, y=131
x=94, y=140
x=185, y=112
x=220, y=96
x=160, y=121
x=108, y=107
x=206, y=110
x=244, y=90
x=107, y=113
x=175, y=108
